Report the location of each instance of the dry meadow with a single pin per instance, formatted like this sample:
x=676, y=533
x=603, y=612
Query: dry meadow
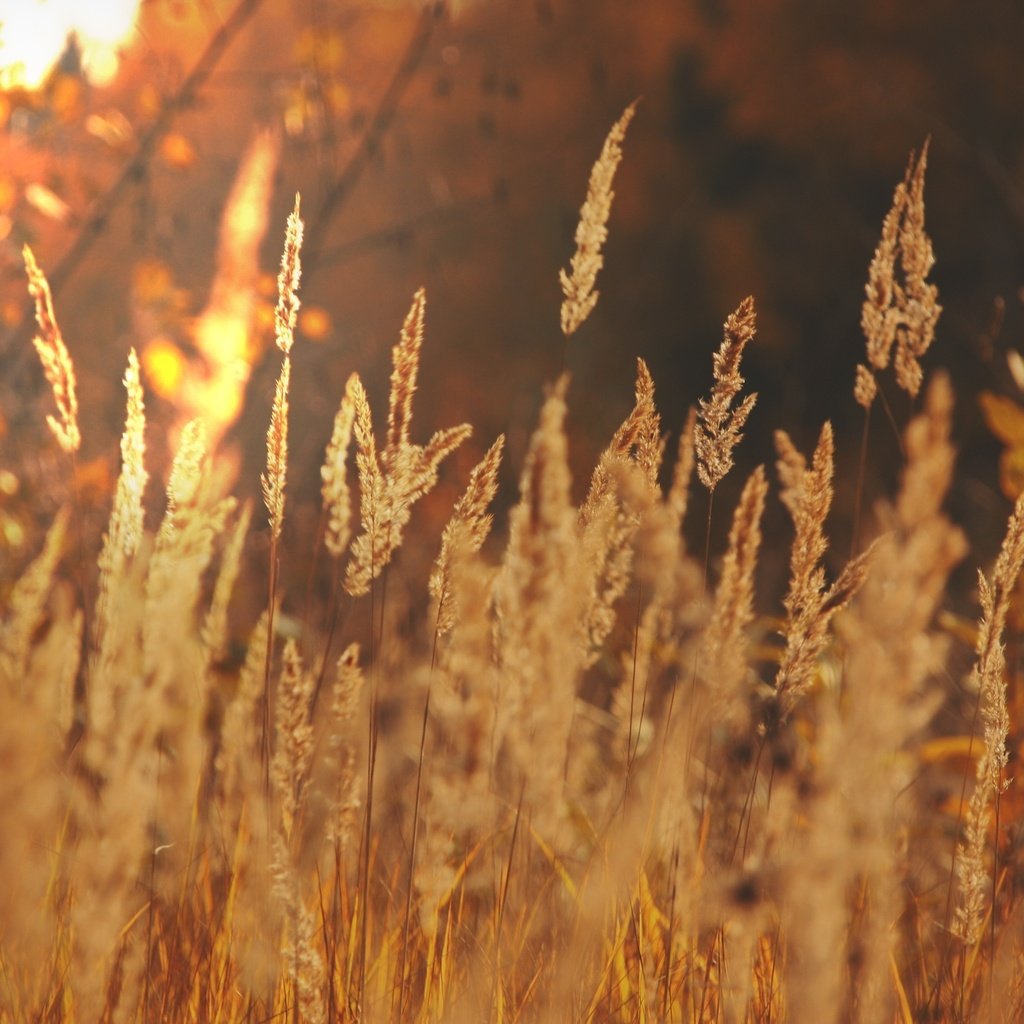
x=581, y=775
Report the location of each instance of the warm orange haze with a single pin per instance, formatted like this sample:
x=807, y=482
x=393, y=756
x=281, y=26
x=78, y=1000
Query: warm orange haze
x=384, y=674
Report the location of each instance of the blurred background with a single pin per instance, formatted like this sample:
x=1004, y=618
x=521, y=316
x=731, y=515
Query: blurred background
x=150, y=154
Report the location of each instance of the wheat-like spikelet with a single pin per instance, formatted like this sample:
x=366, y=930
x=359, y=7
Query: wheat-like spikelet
x=334, y=476
x=592, y=231
x=238, y=754
x=901, y=312
x=807, y=494
x=393, y=481
x=288, y=282
x=26, y=605
x=293, y=751
x=275, y=478
x=215, y=628
x=719, y=426
x=371, y=494
x=990, y=677
x=725, y=641
x=460, y=803
x=606, y=528
x=53, y=354
x=865, y=387
x=682, y=473
x=920, y=308
x=892, y=657
x=878, y=317
x=465, y=533
x=124, y=532
x=405, y=359
x=539, y=596
x=344, y=798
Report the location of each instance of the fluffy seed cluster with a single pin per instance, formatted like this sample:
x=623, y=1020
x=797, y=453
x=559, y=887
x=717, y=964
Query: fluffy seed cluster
x=719, y=425
x=53, y=354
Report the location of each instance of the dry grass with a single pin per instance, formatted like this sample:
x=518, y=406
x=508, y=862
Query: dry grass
x=581, y=782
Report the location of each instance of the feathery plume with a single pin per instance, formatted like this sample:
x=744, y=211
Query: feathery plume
x=27, y=603
x=865, y=387
x=215, y=629
x=724, y=641
x=405, y=359
x=293, y=753
x=288, y=282
x=124, y=532
x=990, y=677
x=465, y=532
x=718, y=425
x=920, y=306
x=682, y=473
x=606, y=527
x=901, y=307
x=275, y=478
x=335, y=490
x=592, y=230
x=341, y=756
x=810, y=606
x=391, y=483
x=53, y=354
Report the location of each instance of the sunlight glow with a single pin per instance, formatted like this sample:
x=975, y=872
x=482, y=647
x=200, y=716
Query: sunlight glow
x=34, y=36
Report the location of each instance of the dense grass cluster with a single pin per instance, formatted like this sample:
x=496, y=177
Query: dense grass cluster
x=582, y=779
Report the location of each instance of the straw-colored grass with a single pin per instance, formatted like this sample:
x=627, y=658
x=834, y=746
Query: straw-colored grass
x=587, y=780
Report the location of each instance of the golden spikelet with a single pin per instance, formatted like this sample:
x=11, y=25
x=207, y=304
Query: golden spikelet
x=215, y=629
x=719, y=426
x=920, y=299
x=465, y=532
x=878, y=316
x=274, y=479
x=53, y=354
x=865, y=387
x=27, y=604
x=725, y=641
x=288, y=282
x=900, y=307
x=810, y=606
x=333, y=474
x=341, y=760
x=592, y=230
x=124, y=532
x=405, y=358
x=990, y=677
x=293, y=751
x=606, y=526
x=682, y=473
x=389, y=484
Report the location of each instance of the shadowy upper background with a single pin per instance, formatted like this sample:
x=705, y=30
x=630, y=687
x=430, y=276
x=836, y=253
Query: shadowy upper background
x=449, y=145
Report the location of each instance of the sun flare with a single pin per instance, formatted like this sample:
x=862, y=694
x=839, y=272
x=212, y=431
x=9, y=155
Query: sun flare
x=34, y=36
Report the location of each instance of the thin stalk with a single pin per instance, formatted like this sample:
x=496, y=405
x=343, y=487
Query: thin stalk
x=416, y=811
x=503, y=898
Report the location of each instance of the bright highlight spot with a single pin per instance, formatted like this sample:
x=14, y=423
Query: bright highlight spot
x=34, y=36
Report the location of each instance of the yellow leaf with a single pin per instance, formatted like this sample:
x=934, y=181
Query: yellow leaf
x=1005, y=418
x=1011, y=472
